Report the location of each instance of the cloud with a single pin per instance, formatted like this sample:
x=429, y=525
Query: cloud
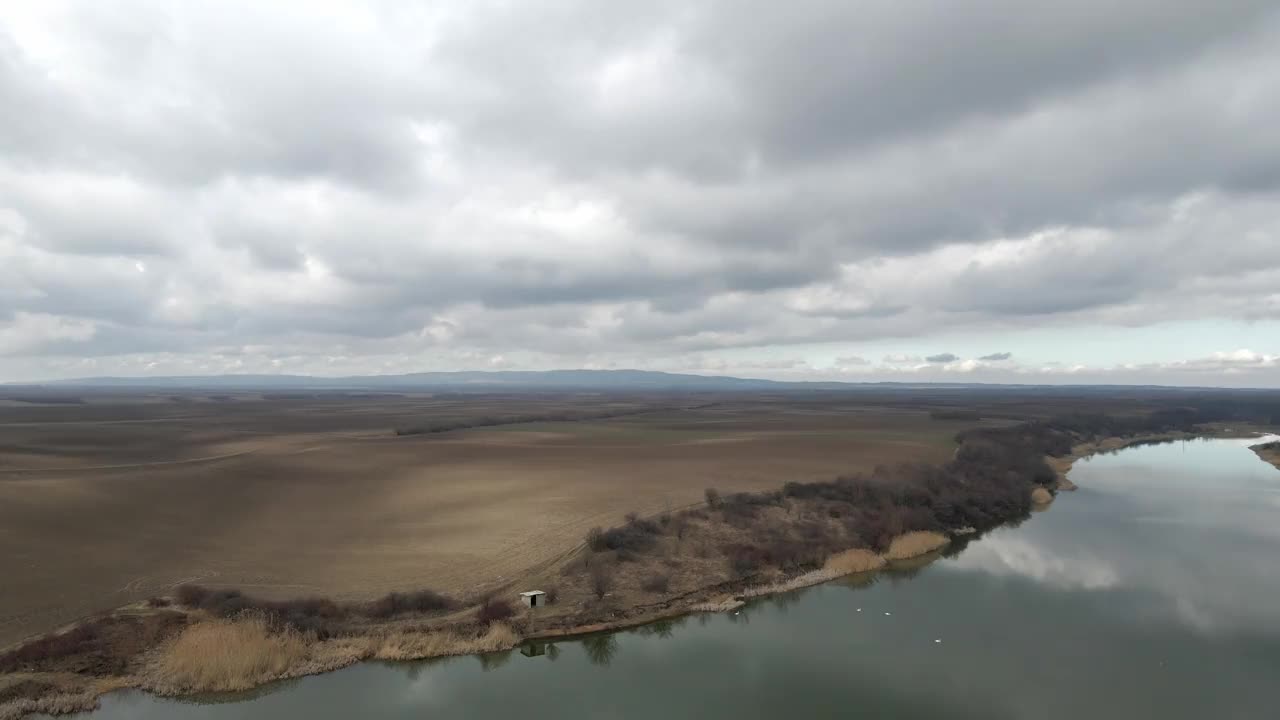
x=1003, y=555
x=942, y=358
x=632, y=185
x=996, y=357
x=28, y=332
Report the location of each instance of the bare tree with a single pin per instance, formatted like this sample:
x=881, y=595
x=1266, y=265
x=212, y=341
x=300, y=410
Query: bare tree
x=713, y=497
x=601, y=580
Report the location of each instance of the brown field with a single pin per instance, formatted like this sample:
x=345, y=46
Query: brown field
x=122, y=498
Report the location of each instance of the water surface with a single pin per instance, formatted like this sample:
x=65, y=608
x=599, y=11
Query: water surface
x=1153, y=591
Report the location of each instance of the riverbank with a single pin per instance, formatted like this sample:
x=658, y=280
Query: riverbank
x=212, y=654
x=1062, y=464
x=709, y=558
x=1269, y=452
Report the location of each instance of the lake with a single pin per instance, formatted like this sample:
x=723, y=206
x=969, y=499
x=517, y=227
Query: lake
x=1153, y=591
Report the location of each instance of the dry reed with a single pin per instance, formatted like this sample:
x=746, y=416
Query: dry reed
x=222, y=655
x=59, y=704
x=415, y=646
x=915, y=543
x=852, y=561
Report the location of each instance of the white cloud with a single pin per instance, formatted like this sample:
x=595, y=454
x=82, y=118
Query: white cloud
x=28, y=332
x=1006, y=555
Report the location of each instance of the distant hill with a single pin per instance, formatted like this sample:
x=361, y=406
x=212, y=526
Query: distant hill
x=541, y=380
x=456, y=381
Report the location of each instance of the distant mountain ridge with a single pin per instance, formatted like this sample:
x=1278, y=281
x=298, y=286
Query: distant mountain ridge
x=529, y=380
x=461, y=380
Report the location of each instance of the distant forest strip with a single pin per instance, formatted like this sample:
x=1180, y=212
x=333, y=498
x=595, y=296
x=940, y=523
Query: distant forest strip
x=568, y=416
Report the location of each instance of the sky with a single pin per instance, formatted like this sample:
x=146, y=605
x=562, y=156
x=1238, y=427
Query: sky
x=988, y=191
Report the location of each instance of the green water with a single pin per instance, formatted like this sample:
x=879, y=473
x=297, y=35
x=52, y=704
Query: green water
x=1152, y=592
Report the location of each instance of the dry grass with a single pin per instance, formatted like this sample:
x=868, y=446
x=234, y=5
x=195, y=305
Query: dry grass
x=838, y=565
x=222, y=655
x=1040, y=496
x=724, y=604
x=58, y=704
x=415, y=646
x=915, y=543
x=852, y=561
x=813, y=577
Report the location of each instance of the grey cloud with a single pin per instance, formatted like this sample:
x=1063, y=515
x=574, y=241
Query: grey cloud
x=647, y=180
x=942, y=358
x=996, y=357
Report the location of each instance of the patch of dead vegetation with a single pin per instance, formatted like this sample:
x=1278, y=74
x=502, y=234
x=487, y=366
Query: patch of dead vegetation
x=101, y=647
x=416, y=646
x=914, y=544
x=221, y=655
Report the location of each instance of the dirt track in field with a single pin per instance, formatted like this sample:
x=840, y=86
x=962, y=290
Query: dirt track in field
x=106, y=504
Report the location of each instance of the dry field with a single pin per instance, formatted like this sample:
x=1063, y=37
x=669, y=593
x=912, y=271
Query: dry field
x=122, y=498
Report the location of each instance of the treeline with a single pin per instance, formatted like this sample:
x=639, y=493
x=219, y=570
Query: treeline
x=1262, y=407
x=492, y=420
x=988, y=482
x=1056, y=437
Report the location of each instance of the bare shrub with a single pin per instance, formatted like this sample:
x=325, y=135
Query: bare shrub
x=191, y=595
x=637, y=535
x=713, y=497
x=105, y=646
x=656, y=583
x=601, y=581
x=494, y=609
x=420, y=602
x=745, y=560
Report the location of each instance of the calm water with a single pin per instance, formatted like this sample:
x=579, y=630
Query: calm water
x=1152, y=592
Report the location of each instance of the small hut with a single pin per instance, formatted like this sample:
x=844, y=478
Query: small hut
x=533, y=598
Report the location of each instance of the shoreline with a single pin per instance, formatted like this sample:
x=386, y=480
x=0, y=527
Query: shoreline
x=1267, y=455
x=1269, y=452
x=443, y=636
x=1062, y=465
x=392, y=642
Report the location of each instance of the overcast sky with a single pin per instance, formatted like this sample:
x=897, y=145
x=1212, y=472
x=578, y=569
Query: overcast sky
x=993, y=190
